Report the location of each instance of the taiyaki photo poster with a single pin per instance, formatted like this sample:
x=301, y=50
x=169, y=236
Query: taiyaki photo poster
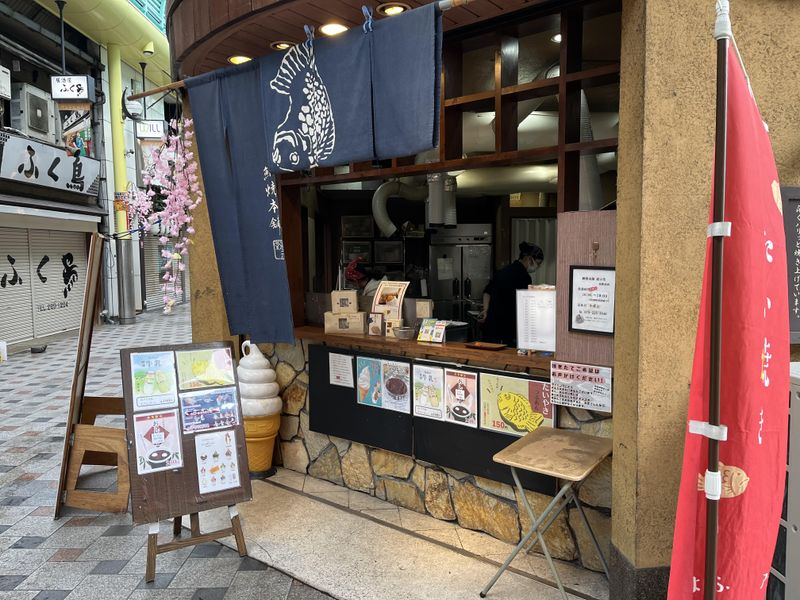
x=429, y=392
x=389, y=299
x=153, y=380
x=461, y=397
x=217, y=461
x=368, y=381
x=396, y=385
x=209, y=409
x=204, y=368
x=513, y=405
x=158, y=441
x=580, y=386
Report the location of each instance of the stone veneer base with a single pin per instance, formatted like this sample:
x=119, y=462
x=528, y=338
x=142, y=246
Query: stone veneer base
x=631, y=583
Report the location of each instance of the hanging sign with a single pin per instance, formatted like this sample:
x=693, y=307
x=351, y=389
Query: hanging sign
x=580, y=386
x=76, y=127
x=5, y=83
x=72, y=87
x=150, y=129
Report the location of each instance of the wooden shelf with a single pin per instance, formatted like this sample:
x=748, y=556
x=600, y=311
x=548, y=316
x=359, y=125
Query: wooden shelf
x=503, y=360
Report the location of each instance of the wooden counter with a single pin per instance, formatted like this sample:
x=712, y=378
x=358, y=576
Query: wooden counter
x=456, y=352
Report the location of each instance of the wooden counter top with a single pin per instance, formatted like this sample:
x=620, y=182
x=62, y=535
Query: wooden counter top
x=456, y=352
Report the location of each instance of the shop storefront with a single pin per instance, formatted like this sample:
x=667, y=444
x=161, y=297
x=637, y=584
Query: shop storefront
x=543, y=106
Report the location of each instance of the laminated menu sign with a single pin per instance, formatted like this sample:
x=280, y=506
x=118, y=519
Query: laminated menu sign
x=536, y=319
x=591, y=301
x=209, y=409
x=158, y=441
x=580, y=386
x=340, y=369
x=153, y=380
x=389, y=299
x=429, y=392
x=396, y=382
x=514, y=405
x=461, y=397
x=369, y=381
x=204, y=368
x=217, y=461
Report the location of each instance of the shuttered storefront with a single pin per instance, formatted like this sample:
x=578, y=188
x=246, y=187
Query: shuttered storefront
x=42, y=278
x=153, y=273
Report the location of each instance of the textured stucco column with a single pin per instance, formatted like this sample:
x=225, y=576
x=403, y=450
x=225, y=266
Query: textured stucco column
x=664, y=186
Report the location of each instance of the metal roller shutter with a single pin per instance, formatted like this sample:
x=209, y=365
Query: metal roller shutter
x=16, y=300
x=58, y=273
x=152, y=272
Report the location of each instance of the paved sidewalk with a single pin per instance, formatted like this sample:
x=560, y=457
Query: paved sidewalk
x=86, y=555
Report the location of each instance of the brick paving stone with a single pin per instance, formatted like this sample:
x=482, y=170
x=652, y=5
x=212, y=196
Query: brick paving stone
x=104, y=587
x=206, y=551
x=161, y=582
x=205, y=573
x=210, y=594
x=255, y=585
x=28, y=542
x=51, y=595
x=57, y=576
x=66, y=554
x=301, y=591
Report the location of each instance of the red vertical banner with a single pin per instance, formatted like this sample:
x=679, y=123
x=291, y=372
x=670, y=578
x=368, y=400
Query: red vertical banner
x=754, y=391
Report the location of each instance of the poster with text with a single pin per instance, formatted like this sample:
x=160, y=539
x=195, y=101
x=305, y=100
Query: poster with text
x=158, y=441
x=205, y=368
x=396, y=388
x=389, y=299
x=153, y=380
x=369, y=381
x=513, y=405
x=591, y=301
x=217, y=461
x=429, y=392
x=209, y=409
x=461, y=397
x=581, y=386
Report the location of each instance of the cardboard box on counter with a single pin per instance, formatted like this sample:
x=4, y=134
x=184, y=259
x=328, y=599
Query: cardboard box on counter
x=344, y=302
x=350, y=323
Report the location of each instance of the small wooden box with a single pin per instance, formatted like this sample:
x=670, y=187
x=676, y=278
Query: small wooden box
x=424, y=309
x=344, y=302
x=350, y=323
x=391, y=324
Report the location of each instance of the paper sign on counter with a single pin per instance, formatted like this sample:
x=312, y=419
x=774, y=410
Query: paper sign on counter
x=340, y=370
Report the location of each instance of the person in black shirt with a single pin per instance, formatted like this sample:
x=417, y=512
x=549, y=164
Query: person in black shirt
x=499, y=315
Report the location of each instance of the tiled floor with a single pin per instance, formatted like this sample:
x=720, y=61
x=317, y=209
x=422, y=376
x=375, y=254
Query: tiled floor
x=87, y=555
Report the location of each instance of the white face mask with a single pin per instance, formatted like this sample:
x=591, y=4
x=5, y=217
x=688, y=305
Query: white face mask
x=532, y=270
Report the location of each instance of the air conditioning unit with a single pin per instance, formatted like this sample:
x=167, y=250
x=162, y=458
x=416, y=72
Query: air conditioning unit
x=33, y=112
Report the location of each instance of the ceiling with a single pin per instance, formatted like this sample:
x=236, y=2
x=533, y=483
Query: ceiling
x=205, y=34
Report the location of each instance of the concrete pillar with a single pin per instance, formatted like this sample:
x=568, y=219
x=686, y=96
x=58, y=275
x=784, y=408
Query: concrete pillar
x=664, y=186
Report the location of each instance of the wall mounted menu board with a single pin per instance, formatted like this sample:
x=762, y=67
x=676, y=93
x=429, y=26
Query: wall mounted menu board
x=186, y=443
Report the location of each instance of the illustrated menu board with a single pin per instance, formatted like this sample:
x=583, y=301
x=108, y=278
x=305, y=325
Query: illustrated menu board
x=383, y=384
x=514, y=405
x=429, y=392
x=184, y=428
x=461, y=397
x=581, y=386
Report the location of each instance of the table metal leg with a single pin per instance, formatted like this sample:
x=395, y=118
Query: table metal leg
x=591, y=533
x=535, y=524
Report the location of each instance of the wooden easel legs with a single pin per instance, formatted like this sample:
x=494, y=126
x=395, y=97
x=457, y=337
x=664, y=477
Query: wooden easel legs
x=154, y=548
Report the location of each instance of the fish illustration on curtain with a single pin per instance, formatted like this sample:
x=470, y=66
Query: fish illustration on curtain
x=307, y=135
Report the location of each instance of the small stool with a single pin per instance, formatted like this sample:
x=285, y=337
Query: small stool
x=566, y=455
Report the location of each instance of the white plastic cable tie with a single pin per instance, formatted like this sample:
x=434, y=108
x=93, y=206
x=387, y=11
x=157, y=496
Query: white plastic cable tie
x=722, y=26
x=720, y=229
x=713, y=485
x=712, y=432
x=233, y=512
x=153, y=530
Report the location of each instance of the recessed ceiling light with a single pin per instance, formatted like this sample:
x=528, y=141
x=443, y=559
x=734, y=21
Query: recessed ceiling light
x=281, y=45
x=333, y=28
x=556, y=38
x=237, y=60
x=390, y=9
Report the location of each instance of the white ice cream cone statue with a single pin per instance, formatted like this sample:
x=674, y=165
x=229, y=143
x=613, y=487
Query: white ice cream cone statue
x=261, y=408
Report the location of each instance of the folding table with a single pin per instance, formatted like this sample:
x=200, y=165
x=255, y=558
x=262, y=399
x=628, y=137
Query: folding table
x=567, y=455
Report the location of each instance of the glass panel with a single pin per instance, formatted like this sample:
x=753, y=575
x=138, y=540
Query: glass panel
x=598, y=180
x=478, y=131
x=541, y=232
x=779, y=559
x=478, y=70
x=538, y=122
x=539, y=49
x=601, y=40
x=775, y=589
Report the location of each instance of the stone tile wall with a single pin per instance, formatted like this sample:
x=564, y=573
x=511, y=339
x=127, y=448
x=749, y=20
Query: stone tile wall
x=474, y=502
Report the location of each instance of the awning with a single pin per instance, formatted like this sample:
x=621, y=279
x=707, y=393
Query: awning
x=30, y=213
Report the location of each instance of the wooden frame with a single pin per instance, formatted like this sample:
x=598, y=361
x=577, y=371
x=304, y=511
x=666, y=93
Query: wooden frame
x=571, y=323
x=84, y=442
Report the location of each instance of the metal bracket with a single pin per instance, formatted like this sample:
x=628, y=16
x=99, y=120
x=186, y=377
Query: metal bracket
x=233, y=512
x=713, y=485
x=712, y=432
x=153, y=530
x=720, y=229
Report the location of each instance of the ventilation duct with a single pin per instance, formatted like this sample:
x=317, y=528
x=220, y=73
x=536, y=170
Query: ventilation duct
x=450, y=214
x=381, y=197
x=434, y=206
x=590, y=188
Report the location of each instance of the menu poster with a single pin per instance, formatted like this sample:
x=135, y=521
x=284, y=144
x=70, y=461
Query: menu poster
x=205, y=368
x=153, y=379
x=461, y=397
x=429, y=392
x=158, y=441
x=217, y=461
x=426, y=330
x=209, y=409
x=389, y=299
x=340, y=370
x=591, y=299
x=369, y=381
x=513, y=405
x=396, y=389
x=581, y=386
x=536, y=319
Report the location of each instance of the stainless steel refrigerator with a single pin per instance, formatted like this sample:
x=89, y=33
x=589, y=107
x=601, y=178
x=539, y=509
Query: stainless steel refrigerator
x=460, y=269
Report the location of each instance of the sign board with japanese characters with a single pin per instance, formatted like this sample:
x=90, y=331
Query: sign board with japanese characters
x=28, y=161
x=791, y=225
x=72, y=87
x=580, y=386
x=186, y=444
